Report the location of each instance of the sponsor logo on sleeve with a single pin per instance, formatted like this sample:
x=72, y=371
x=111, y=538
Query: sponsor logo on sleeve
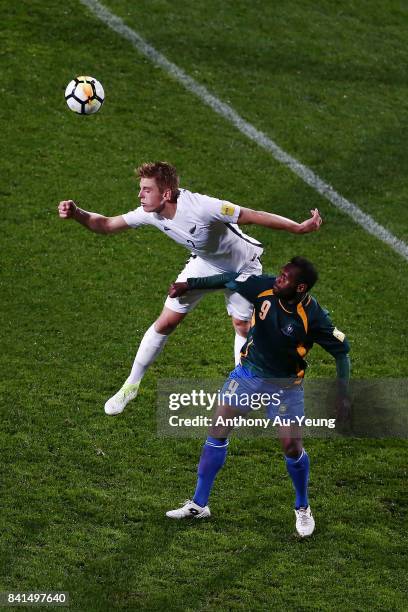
x=227, y=209
x=338, y=334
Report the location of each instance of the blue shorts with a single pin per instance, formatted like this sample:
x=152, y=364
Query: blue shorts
x=245, y=392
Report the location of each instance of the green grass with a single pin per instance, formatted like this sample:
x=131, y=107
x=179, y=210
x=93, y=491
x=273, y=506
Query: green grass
x=84, y=496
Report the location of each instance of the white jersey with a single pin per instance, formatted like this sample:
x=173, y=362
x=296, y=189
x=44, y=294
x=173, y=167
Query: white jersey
x=206, y=227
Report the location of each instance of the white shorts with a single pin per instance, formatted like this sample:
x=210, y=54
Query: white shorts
x=237, y=305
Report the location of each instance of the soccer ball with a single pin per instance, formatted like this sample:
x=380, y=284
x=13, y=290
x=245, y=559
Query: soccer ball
x=84, y=95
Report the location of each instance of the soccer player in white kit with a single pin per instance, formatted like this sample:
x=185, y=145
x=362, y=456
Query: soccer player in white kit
x=208, y=228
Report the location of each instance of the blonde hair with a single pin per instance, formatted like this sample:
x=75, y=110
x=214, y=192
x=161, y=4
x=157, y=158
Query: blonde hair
x=164, y=174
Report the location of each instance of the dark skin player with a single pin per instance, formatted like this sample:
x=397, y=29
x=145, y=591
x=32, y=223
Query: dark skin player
x=288, y=288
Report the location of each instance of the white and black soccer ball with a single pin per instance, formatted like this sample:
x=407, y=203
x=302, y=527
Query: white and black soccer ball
x=84, y=95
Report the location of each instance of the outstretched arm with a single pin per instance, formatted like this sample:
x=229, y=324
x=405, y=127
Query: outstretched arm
x=259, y=217
x=68, y=209
x=218, y=281
x=247, y=286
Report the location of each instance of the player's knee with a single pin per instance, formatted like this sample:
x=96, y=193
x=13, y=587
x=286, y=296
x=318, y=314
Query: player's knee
x=241, y=327
x=292, y=447
x=165, y=327
x=167, y=322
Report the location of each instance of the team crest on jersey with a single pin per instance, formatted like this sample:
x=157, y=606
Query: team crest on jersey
x=227, y=209
x=288, y=330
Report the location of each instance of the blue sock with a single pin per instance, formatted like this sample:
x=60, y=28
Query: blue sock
x=211, y=461
x=298, y=470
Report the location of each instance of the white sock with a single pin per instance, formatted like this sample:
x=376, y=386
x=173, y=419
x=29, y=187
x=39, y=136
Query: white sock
x=238, y=344
x=150, y=347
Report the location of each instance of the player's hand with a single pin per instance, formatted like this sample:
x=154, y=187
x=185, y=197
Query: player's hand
x=343, y=410
x=178, y=289
x=314, y=223
x=66, y=209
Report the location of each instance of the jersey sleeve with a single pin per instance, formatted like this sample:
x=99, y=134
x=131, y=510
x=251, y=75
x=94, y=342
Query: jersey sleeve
x=213, y=209
x=136, y=218
x=252, y=286
x=328, y=336
x=218, y=281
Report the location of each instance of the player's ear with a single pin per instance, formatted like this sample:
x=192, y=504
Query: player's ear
x=301, y=288
x=167, y=194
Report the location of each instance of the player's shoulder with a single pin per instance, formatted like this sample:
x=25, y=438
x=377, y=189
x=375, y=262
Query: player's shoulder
x=189, y=201
x=315, y=312
x=192, y=197
x=199, y=201
x=207, y=209
x=261, y=284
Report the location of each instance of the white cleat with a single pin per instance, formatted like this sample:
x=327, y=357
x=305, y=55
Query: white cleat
x=305, y=522
x=189, y=510
x=117, y=403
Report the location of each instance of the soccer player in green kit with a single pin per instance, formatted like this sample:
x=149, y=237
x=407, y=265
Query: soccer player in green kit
x=286, y=322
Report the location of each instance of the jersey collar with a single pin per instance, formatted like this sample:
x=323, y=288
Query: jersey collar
x=292, y=308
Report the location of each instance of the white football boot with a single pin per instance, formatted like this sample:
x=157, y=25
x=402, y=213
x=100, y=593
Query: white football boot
x=117, y=403
x=305, y=522
x=189, y=510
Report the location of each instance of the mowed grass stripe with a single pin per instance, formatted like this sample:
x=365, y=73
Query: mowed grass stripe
x=226, y=111
x=84, y=496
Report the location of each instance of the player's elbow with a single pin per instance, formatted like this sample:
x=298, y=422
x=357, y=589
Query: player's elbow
x=113, y=225
x=107, y=226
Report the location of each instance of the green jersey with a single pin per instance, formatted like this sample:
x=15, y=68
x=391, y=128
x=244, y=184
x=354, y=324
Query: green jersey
x=281, y=333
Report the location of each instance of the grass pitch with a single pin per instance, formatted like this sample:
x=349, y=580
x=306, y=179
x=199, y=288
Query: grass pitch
x=83, y=496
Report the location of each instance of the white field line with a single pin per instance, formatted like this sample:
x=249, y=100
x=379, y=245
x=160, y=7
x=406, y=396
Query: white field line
x=226, y=111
